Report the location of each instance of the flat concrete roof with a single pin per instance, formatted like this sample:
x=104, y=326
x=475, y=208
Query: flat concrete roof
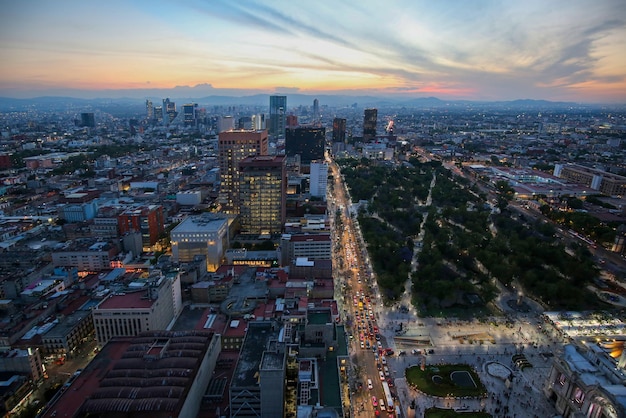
x=131, y=300
x=257, y=338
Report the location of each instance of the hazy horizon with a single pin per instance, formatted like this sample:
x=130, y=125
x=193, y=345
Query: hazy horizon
x=483, y=50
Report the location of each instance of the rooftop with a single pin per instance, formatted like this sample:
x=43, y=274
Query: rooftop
x=131, y=300
x=257, y=338
x=272, y=361
x=150, y=374
x=207, y=222
x=319, y=317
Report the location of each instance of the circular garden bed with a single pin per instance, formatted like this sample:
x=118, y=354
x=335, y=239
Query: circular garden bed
x=445, y=380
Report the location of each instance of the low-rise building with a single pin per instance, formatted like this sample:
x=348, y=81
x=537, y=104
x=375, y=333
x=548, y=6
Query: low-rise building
x=312, y=246
x=68, y=333
x=205, y=235
x=215, y=289
x=582, y=384
x=86, y=255
x=23, y=361
x=607, y=183
x=155, y=374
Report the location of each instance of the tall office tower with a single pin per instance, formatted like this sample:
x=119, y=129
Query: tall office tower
x=226, y=123
x=158, y=114
x=149, y=110
x=189, y=114
x=339, y=130
x=87, y=120
x=316, y=111
x=258, y=121
x=234, y=146
x=169, y=111
x=278, y=108
x=318, y=180
x=262, y=194
x=369, y=124
x=307, y=141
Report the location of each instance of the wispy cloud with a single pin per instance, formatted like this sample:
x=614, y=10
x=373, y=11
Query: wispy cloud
x=483, y=48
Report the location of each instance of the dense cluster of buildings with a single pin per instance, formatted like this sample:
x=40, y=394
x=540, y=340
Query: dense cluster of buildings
x=223, y=211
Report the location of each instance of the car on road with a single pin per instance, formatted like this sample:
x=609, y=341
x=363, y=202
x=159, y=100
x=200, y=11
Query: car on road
x=381, y=375
x=369, y=384
x=374, y=401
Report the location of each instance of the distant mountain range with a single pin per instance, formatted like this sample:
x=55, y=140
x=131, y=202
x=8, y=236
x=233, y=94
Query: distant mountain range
x=126, y=105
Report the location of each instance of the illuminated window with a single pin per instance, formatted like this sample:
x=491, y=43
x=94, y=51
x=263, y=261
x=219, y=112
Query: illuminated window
x=579, y=396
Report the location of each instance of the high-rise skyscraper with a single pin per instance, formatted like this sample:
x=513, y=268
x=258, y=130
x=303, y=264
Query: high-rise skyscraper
x=369, y=124
x=262, y=194
x=308, y=141
x=339, y=130
x=158, y=114
x=87, y=120
x=234, y=146
x=226, y=123
x=258, y=121
x=316, y=111
x=169, y=111
x=278, y=109
x=318, y=180
x=189, y=114
x=149, y=110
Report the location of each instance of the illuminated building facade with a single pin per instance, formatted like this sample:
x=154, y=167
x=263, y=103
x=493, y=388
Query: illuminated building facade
x=233, y=147
x=205, y=235
x=262, y=194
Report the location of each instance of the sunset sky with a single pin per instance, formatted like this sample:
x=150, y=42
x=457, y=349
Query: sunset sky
x=570, y=50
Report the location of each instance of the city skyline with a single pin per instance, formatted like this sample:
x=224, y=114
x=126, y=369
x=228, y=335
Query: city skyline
x=484, y=50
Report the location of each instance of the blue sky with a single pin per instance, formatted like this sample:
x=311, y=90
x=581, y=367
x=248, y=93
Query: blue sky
x=485, y=50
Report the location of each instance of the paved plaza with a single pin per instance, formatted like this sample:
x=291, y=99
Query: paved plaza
x=487, y=345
